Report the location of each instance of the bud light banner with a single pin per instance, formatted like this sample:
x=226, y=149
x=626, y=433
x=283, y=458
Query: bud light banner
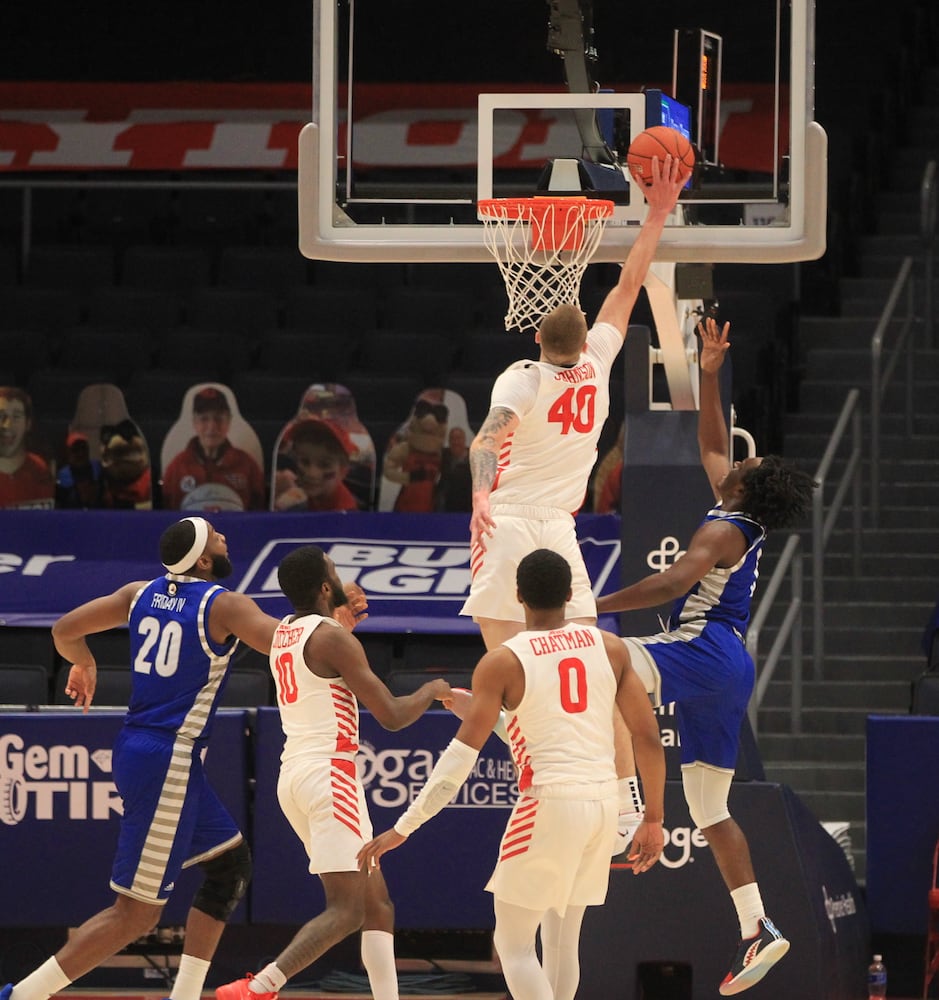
x=59, y=805
x=437, y=878
x=413, y=568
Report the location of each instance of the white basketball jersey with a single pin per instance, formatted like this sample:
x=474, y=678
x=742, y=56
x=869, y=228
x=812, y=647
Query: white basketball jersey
x=546, y=460
x=319, y=715
x=562, y=731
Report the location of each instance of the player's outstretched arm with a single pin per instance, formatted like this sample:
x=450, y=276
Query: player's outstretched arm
x=237, y=614
x=713, y=442
x=341, y=653
x=668, y=178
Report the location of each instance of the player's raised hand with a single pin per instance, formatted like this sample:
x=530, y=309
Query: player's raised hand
x=354, y=611
x=714, y=343
x=668, y=178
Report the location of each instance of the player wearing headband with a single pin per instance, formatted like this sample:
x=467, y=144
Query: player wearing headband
x=184, y=628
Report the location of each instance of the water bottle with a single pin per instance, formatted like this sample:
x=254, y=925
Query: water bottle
x=877, y=979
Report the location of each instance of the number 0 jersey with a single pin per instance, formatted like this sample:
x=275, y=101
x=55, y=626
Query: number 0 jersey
x=178, y=672
x=561, y=733
x=547, y=459
x=319, y=715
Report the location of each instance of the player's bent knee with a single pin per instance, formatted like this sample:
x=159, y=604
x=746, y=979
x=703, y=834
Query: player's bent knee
x=706, y=791
x=226, y=881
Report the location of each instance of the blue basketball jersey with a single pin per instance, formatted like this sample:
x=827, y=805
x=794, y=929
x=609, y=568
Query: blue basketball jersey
x=724, y=594
x=178, y=672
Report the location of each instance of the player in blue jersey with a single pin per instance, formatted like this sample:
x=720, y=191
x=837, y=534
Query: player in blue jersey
x=701, y=663
x=183, y=630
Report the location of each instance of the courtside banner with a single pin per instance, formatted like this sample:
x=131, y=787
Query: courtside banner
x=178, y=126
x=60, y=813
x=414, y=568
x=437, y=878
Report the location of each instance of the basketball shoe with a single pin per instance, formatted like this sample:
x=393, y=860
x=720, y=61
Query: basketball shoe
x=239, y=990
x=755, y=957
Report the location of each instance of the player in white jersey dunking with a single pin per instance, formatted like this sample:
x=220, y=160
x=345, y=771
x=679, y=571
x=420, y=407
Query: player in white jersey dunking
x=701, y=663
x=321, y=675
x=559, y=683
x=183, y=629
x=531, y=460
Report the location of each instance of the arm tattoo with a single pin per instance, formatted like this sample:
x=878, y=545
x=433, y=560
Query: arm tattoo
x=484, y=455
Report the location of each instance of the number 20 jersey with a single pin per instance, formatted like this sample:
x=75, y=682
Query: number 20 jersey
x=547, y=459
x=178, y=671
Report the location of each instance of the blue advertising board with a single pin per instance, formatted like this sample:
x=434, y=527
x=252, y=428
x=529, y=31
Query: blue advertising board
x=414, y=568
x=60, y=812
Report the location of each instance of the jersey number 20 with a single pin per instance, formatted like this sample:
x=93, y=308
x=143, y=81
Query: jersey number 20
x=160, y=647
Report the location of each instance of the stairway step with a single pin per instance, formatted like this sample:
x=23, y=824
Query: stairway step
x=811, y=747
x=875, y=696
x=829, y=396
x=839, y=331
x=893, y=425
x=806, y=777
x=835, y=806
x=818, y=720
x=858, y=614
x=902, y=666
x=843, y=364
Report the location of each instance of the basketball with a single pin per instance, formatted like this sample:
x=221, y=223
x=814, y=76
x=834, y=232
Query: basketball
x=660, y=141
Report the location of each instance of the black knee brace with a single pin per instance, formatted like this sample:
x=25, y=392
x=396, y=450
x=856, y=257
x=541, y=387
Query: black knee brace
x=226, y=881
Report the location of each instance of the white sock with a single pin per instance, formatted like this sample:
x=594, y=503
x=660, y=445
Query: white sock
x=378, y=957
x=190, y=978
x=749, y=905
x=41, y=984
x=269, y=980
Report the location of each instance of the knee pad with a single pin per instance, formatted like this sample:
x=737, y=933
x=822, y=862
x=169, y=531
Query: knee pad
x=226, y=881
x=706, y=791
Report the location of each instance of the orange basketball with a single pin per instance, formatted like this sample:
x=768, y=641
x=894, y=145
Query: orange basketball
x=660, y=141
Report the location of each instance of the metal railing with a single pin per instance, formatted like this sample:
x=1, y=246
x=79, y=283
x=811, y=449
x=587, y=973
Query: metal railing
x=790, y=564
x=927, y=231
x=882, y=372
x=823, y=524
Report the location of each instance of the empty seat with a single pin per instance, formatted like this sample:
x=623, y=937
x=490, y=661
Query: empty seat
x=82, y=268
x=210, y=354
x=379, y=396
x=9, y=267
x=111, y=648
x=24, y=351
x=113, y=354
x=324, y=356
x=232, y=311
x=24, y=684
x=358, y=276
x=425, y=355
x=247, y=687
x=112, y=689
x=170, y=269
x=21, y=644
x=133, y=309
x=492, y=353
x=47, y=309
x=444, y=311
x=55, y=391
x=273, y=269
x=264, y=396
x=403, y=681
x=340, y=311
x=442, y=652
x=157, y=394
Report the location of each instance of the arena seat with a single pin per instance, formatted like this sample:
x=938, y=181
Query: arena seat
x=24, y=684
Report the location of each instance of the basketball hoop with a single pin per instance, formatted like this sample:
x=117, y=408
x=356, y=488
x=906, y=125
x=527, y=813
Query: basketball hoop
x=542, y=246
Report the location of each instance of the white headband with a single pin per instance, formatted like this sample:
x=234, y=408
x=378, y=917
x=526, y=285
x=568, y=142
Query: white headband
x=201, y=527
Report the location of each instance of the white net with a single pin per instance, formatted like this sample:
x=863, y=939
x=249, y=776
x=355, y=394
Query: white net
x=542, y=247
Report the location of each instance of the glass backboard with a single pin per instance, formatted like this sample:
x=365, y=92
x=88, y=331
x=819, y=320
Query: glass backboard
x=392, y=171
